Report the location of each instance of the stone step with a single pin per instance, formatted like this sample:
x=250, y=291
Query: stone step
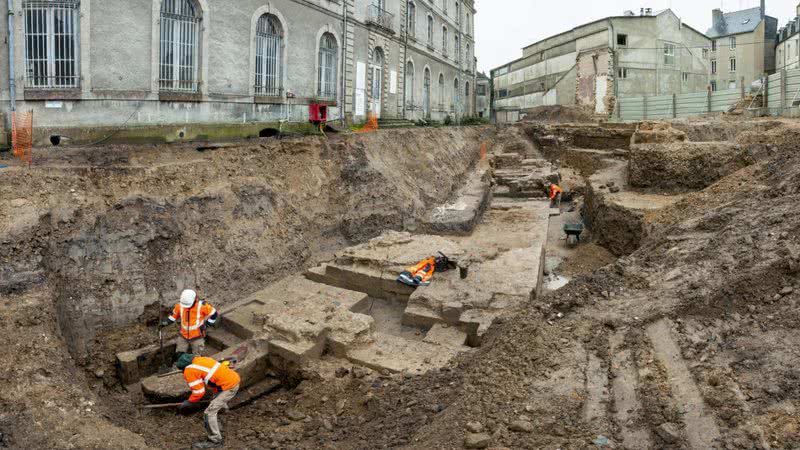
x=397, y=354
x=446, y=336
x=222, y=338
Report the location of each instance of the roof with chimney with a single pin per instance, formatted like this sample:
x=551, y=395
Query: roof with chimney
x=744, y=21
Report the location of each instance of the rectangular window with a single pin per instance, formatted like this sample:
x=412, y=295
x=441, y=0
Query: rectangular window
x=714, y=45
x=622, y=73
x=733, y=43
x=51, y=44
x=685, y=77
x=503, y=93
x=622, y=40
x=733, y=64
x=713, y=86
x=669, y=54
x=481, y=90
x=732, y=84
x=705, y=53
x=713, y=66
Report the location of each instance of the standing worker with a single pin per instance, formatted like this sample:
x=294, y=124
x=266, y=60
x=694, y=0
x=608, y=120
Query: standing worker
x=554, y=194
x=199, y=372
x=195, y=315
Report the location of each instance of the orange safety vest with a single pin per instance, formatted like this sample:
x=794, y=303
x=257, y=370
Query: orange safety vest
x=207, y=371
x=423, y=271
x=554, y=190
x=192, y=319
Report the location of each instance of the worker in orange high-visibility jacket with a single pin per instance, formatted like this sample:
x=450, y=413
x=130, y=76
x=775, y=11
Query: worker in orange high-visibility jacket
x=554, y=192
x=419, y=275
x=203, y=373
x=195, y=316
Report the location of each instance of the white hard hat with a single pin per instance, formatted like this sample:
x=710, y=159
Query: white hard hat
x=187, y=298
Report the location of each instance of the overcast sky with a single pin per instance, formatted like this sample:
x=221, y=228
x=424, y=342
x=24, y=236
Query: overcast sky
x=503, y=27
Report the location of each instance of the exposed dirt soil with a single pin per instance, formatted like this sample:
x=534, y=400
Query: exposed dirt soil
x=557, y=113
x=688, y=342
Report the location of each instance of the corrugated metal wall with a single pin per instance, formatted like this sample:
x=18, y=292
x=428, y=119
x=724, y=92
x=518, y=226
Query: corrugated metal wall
x=682, y=105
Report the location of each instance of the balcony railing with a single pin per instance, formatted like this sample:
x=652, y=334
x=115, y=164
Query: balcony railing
x=380, y=17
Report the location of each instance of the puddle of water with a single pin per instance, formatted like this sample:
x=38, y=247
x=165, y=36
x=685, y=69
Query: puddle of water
x=555, y=282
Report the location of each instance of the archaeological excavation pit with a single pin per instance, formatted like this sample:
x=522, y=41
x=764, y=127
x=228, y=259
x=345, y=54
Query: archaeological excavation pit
x=679, y=298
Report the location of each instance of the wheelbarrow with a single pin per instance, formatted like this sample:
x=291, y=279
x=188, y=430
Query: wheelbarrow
x=573, y=232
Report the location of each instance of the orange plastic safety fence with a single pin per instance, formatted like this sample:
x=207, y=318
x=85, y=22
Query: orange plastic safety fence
x=22, y=135
x=371, y=125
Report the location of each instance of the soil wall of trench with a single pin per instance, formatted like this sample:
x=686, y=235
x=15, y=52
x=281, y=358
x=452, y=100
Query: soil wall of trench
x=115, y=232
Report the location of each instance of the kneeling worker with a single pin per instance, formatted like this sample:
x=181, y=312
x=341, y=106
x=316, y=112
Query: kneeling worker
x=554, y=194
x=199, y=372
x=195, y=315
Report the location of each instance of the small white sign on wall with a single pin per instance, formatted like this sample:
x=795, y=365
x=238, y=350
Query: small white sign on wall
x=361, y=103
x=361, y=75
x=53, y=104
x=393, y=82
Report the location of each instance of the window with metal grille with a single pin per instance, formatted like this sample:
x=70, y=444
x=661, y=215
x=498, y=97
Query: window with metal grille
x=179, y=50
x=326, y=78
x=412, y=19
x=441, y=91
x=269, y=56
x=409, y=85
x=456, y=92
x=426, y=92
x=51, y=44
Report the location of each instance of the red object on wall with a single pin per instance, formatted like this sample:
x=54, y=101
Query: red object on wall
x=317, y=113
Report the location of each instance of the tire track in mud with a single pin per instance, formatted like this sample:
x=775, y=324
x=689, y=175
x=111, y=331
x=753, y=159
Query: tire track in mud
x=625, y=382
x=700, y=426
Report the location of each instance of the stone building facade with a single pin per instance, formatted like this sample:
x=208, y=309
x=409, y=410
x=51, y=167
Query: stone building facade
x=787, y=52
x=742, y=47
x=593, y=64
x=139, y=63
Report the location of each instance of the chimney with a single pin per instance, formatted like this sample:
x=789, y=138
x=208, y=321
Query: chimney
x=641, y=12
x=717, y=19
x=763, y=8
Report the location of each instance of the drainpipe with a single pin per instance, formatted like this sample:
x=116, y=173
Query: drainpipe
x=12, y=87
x=343, y=81
x=405, y=63
x=614, y=64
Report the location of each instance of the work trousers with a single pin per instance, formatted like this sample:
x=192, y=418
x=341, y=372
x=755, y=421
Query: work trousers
x=196, y=345
x=210, y=417
x=556, y=202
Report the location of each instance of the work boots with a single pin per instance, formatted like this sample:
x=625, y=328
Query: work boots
x=207, y=444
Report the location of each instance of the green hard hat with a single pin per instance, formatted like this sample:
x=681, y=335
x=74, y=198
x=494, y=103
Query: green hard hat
x=184, y=360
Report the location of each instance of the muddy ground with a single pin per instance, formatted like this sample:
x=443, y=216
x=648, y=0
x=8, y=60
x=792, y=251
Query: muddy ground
x=687, y=341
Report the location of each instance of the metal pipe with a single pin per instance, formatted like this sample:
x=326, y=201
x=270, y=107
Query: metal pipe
x=12, y=86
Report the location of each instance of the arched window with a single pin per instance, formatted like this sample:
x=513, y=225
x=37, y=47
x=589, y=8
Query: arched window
x=326, y=78
x=467, y=24
x=430, y=30
x=412, y=19
x=426, y=93
x=467, y=102
x=441, y=91
x=456, y=92
x=409, y=85
x=458, y=48
x=444, y=39
x=269, y=55
x=469, y=58
x=51, y=44
x=180, y=26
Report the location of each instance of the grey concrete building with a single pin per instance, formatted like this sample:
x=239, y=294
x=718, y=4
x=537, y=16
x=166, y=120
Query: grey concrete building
x=482, y=96
x=742, y=46
x=105, y=63
x=593, y=64
x=787, y=52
